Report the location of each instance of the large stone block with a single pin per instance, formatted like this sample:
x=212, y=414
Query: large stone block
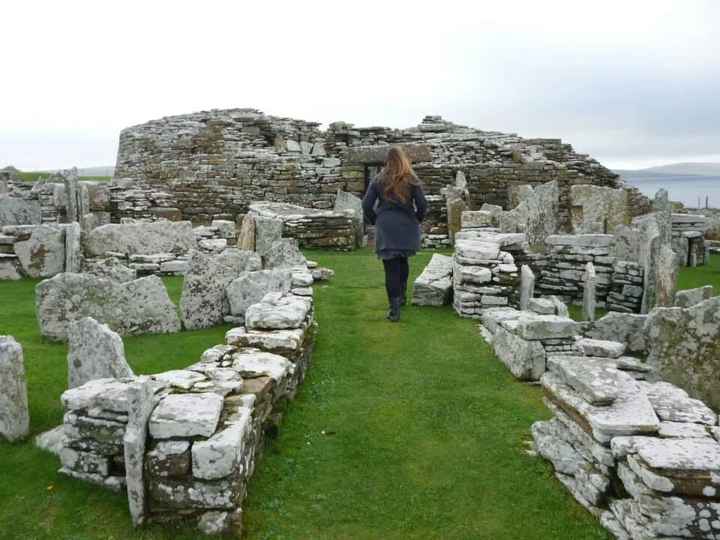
x=434, y=286
x=598, y=209
x=43, y=254
x=186, y=415
x=525, y=359
x=539, y=327
x=277, y=312
x=684, y=347
x=284, y=253
x=141, y=238
x=14, y=412
x=16, y=211
x=136, y=307
x=251, y=287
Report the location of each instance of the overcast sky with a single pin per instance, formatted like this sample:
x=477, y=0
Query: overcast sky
x=634, y=83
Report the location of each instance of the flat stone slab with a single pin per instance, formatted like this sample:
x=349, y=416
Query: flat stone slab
x=600, y=347
x=597, y=382
x=542, y=306
x=492, y=317
x=630, y=413
x=580, y=240
x=434, y=286
x=267, y=340
x=525, y=359
x=186, y=415
x=477, y=249
x=108, y=394
x=672, y=404
x=180, y=378
x=257, y=364
x=141, y=238
x=538, y=327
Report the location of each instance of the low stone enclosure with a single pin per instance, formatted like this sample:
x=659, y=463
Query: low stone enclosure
x=183, y=443
x=634, y=436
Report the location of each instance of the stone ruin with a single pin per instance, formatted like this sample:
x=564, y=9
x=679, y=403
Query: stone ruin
x=183, y=443
x=634, y=436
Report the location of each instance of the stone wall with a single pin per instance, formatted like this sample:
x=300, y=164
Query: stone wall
x=215, y=163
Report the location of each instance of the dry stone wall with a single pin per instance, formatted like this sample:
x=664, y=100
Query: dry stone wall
x=215, y=163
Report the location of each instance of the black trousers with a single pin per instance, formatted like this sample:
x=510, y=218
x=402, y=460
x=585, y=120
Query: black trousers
x=397, y=271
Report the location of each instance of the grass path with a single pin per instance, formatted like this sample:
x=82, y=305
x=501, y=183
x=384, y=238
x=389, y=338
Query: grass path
x=409, y=430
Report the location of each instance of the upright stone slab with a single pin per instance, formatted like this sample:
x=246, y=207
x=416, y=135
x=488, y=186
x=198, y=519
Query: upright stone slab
x=434, y=286
x=455, y=208
x=94, y=352
x=203, y=303
x=14, y=413
x=589, y=287
x=666, y=269
x=284, y=253
x=73, y=249
x=527, y=286
x=663, y=214
x=246, y=236
x=267, y=232
x=141, y=403
x=70, y=179
x=690, y=297
x=649, y=245
x=345, y=201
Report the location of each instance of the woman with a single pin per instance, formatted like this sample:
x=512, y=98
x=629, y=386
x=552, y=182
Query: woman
x=395, y=204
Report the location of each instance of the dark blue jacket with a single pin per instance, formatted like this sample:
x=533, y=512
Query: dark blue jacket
x=397, y=224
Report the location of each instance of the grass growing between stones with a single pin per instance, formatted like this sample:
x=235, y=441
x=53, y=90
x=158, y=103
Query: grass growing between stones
x=408, y=430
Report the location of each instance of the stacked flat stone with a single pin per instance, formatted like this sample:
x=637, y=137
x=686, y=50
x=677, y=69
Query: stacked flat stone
x=185, y=442
x=642, y=457
x=522, y=340
x=35, y=251
x=626, y=287
x=484, y=271
x=312, y=228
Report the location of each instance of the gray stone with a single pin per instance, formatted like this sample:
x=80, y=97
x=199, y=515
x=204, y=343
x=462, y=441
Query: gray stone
x=267, y=232
x=218, y=456
x=525, y=359
x=284, y=253
x=662, y=207
x=246, y=236
x=203, y=303
x=52, y=441
x=433, y=287
x=251, y=287
x=73, y=249
x=596, y=382
x=43, y=254
x=251, y=364
x=14, y=412
x=213, y=245
x=684, y=348
x=9, y=267
x=16, y=211
x=666, y=276
x=94, y=352
x=112, y=269
x=141, y=238
x=492, y=317
x=542, y=306
x=598, y=209
x=136, y=307
x=536, y=215
x=629, y=414
x=477, y=219
x=672, y=404
x=589, y=292
x=601, y=348
x=105, y=394
x=626, y=328
x=169, y=459
x=140, y=406
x=345, y=202
x=186, y=415
x=527, y=286
x=690, y=297
x=276, y=311
x=226, y=228
x=538, y=327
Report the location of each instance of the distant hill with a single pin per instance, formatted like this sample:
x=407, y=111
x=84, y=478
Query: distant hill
x=674, y=169
x=97, y=171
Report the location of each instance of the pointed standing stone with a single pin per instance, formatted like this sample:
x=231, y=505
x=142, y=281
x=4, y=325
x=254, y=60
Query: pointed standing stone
x=94, y=352
x=666, y=270
x=590, y=283
x=527, y=286
x=14, y=414
x=73, y=253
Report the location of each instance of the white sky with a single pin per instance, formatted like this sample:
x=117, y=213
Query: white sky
x=633, y=82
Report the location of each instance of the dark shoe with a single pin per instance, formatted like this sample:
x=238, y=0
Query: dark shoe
x=394, y=312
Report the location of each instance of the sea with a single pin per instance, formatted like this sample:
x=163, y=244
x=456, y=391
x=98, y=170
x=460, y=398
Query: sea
x=687, y=189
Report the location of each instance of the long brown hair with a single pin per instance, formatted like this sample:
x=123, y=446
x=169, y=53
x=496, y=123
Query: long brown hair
x=398, y=175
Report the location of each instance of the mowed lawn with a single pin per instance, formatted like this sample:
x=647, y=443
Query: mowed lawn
x=409, y=430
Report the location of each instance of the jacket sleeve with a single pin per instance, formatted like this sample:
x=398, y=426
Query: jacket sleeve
x=420, y=202
x=368, y=204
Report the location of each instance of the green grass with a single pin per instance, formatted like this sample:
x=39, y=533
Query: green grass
x=409, y=430
x=32, y=176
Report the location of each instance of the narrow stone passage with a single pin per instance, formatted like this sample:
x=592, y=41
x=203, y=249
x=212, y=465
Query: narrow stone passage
x=409, y=430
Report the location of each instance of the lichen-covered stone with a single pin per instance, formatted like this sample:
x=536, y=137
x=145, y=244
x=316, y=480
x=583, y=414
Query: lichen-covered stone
x=142, y=238
x=433, y=286
x=43, y=254
x=14, y=412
